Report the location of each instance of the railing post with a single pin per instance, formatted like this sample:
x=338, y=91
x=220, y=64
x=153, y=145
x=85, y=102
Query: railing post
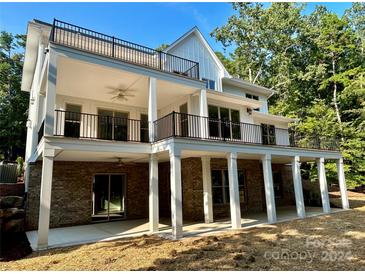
x=160, y=60
x=173, y=124
x=113, y=45
x=53, y=29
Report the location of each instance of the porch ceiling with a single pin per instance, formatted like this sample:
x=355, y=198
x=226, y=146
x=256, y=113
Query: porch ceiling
x=96, y=82
x=91, y=156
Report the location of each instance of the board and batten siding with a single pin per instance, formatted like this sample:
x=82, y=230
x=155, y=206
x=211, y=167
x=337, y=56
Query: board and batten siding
x=193, y=49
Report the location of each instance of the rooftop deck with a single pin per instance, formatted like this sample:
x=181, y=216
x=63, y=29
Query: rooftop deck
x=98, y=43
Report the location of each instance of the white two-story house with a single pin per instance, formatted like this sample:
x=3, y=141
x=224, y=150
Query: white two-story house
x=118, y=131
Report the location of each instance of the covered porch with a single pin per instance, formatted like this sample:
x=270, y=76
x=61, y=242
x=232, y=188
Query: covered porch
x=75, y=235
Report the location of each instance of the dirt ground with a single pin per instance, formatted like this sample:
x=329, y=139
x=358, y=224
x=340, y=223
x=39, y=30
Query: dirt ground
x=327, y=242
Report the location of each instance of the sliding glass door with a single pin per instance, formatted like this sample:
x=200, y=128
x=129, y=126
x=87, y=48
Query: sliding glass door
x=109, y=193
x=112, y=125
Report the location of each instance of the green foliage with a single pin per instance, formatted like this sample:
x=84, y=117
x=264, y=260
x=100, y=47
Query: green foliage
x=13, y=102
x=162, y=47
x=315, y=62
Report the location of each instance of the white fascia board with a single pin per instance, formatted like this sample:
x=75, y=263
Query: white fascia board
x=271, y=117
x=248, y=86
x=226, y=147
x=119, y=64
x=196, y=31
x=30, y=56
x=61, y=143
x=233, y=99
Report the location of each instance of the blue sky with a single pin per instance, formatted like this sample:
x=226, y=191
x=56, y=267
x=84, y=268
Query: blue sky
x=150, y=24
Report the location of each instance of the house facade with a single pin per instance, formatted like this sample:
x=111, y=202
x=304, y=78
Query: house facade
x=120, y=131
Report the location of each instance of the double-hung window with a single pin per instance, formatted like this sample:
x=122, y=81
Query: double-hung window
x=253, y=97
x=220, y=186
x=209, y=84
x=268, y=134
x=72, y=121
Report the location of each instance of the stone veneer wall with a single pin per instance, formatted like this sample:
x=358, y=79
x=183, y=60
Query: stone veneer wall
x=71, y=202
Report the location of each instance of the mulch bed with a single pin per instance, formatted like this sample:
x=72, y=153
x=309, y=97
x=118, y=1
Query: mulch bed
x=14, y=246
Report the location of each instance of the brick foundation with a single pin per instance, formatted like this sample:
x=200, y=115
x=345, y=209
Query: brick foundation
x=71, y=201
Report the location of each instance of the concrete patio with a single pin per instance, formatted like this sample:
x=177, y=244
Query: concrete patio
x=67, y=236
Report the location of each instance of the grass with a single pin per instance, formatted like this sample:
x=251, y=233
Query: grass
x=327, y=242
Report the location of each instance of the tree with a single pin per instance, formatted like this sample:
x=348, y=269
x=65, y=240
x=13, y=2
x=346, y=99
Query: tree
x=13, y=102
x=162, y=47
x=316, y=63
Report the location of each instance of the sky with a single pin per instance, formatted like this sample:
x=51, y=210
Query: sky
x=149, y=24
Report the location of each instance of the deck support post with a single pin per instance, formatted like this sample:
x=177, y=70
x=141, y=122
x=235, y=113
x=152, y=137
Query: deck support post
x=176, y=194
x=45, y=198
x=203, y=113
x=298, y=189
x=153, y=193
x=342, y=183
x=234, y=197
x=207, y=190
x=323, y=185
x=269, y=188
x=152, y=107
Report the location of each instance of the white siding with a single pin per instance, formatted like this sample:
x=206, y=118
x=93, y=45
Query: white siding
x=193, y=49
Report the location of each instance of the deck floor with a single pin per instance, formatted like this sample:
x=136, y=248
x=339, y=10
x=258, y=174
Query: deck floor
x=74, y=235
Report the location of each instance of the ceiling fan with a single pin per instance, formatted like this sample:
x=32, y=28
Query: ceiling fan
x=122, y=93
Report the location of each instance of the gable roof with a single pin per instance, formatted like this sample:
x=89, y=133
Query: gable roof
x=200, y=36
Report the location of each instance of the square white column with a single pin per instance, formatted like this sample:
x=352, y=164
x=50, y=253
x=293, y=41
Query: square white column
x=45, y=198
x=342, y=183
x=234, y=195
x=298, y=189
x=152, y=107
x=50, y=95
x=207, y=190
x=323, y=185
x=203, y=113
x=176, y=194
x=153, y=193
x=269, y=189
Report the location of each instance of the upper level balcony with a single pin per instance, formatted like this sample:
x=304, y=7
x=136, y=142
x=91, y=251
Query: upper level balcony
x=73, y=36
x=180, y=125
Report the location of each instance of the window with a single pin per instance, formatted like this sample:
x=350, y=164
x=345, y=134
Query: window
x=144, y=128
x=268, y=134
x=112, y=125
x=253, y=97
x=72, y=121
x=224, y=122
x=209, y=84
x=250, y=96
x=220, y=186
x=278, y=184
x=184, y=120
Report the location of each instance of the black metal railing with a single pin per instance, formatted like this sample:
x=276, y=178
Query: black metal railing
x=198, y=127
x=41, y=132
x=92, y=126
x=95, y=42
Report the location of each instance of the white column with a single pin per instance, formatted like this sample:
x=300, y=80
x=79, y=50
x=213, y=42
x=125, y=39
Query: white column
x=269, y=188
x=50, y=95
x=176, y=194
x=298, y=189
x=207, y=190
x=203, y=112
x=153, y=195
x=152, y=107
x=323, y=185
x=234, y=195
x=45, y=198
x=342, y=183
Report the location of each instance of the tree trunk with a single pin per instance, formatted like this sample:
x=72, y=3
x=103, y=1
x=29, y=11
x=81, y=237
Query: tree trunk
x=338, y=116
